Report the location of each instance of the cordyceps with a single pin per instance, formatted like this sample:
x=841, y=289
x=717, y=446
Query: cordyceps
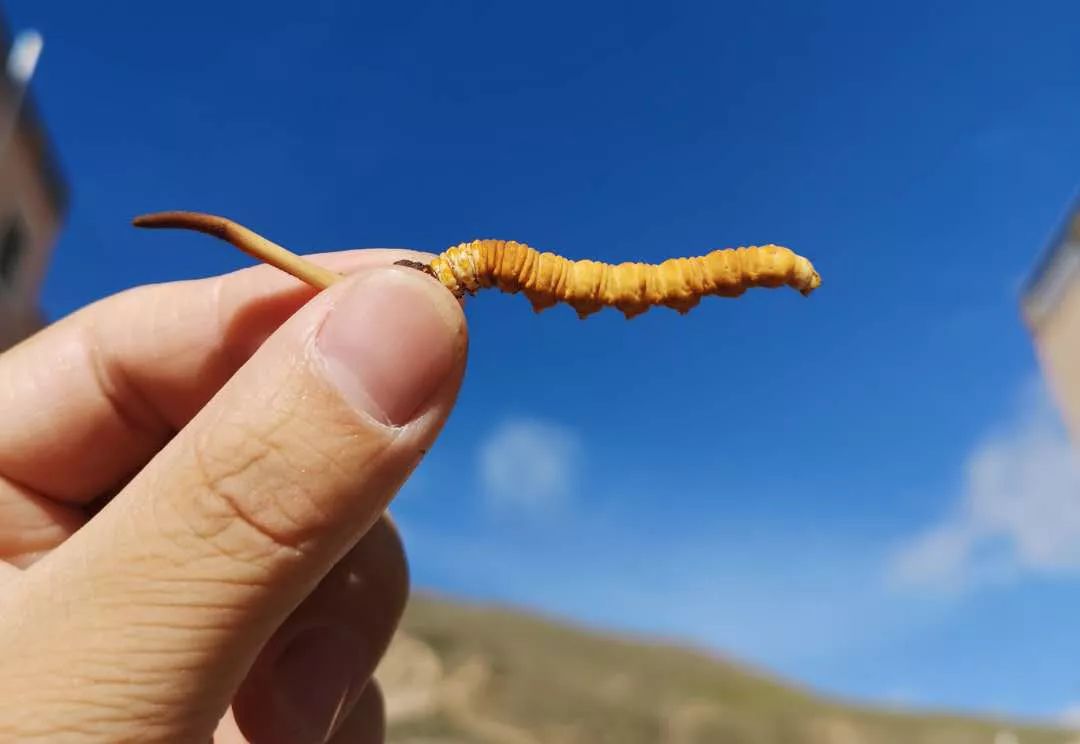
x=545, y=278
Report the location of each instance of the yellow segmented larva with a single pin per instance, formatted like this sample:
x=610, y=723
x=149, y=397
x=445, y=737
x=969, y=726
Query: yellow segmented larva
x=588, y=286
x=545, y=278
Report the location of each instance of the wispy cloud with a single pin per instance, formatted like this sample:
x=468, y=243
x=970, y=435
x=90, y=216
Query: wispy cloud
x=1018, y=513
x=1070, y=717
x=530, y=465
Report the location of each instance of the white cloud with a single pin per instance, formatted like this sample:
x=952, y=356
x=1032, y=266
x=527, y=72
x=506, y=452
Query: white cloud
x=1019, y=511
x=1070, y=717
x=530, y=465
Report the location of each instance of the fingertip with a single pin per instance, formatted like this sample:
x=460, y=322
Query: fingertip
x=315, y=671
x=390, y=341
x=366, y=723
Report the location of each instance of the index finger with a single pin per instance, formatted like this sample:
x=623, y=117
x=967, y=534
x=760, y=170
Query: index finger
x=89, y=400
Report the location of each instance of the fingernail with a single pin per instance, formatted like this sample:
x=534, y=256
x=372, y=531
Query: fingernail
x=315, y=679
x=390, y=343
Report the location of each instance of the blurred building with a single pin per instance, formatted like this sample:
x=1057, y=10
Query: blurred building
x=33, y=203
x=1051, y=307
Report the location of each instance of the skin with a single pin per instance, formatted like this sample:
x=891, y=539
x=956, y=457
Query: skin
x=193, y=484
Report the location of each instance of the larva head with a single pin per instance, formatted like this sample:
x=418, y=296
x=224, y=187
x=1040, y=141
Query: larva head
x=419, y=266
x=805, y=279
x=443, y=270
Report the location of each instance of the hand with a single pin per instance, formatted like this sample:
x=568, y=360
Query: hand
x=186, y=473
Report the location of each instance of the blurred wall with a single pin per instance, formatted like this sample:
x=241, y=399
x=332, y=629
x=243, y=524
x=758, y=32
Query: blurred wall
x=33, y=202
x=1051, y=306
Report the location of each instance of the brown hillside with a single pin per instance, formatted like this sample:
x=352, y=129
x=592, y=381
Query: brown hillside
x=459, y=674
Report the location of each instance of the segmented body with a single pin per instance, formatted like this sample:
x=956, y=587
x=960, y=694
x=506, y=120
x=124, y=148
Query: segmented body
x=545, y=278
x=589, y=286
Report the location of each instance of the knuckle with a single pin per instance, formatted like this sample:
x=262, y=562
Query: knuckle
x=254, y=492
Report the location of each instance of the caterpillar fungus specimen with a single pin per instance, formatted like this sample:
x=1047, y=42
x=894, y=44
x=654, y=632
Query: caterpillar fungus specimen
x=546, y=278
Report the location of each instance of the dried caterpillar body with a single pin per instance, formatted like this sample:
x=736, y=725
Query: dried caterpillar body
x=589, y=286
x=545, y=278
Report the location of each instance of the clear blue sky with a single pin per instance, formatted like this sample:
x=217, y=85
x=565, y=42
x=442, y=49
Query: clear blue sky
x=860, y=490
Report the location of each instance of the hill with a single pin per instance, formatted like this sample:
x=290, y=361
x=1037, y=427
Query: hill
x=464, y=674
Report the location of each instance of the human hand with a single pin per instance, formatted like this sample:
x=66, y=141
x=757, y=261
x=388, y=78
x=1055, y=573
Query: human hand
x=186, y=471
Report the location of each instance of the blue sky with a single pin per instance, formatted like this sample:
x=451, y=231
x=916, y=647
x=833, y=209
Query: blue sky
x=862, y=491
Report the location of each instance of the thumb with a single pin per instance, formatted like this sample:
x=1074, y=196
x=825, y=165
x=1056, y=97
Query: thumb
x=148, y=618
